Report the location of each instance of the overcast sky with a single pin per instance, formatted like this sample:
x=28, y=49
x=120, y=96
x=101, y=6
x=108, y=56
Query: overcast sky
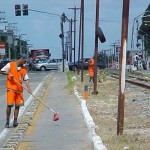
x=43, y=30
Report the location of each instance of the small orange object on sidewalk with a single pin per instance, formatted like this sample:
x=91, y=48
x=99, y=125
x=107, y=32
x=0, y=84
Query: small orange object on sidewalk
x=86, y=92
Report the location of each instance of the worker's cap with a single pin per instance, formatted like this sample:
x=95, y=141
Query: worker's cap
x=24, y=56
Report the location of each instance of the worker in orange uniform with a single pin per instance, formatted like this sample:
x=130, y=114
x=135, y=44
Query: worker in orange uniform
x=91, y=69
x=16, y=74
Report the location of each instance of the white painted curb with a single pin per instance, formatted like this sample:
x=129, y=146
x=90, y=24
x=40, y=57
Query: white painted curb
x=96, y=140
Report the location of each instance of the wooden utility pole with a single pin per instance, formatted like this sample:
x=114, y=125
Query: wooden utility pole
x=82, y=44
x=63, y=19
x=96, y=47
x=62, y=37
x=70, y=37
x=75, y=10
x=114, y=47
x=121, y=95
x=79, y=43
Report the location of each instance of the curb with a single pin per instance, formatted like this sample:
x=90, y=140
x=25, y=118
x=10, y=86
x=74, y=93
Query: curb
x=96, y=140
x=16, y=137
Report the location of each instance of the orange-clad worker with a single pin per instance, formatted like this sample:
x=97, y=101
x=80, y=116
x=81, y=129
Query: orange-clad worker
x=91, y=69
x=16, y=73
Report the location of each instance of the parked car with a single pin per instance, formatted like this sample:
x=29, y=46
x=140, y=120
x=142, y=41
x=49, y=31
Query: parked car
x=46, y=65
x=78, y=64
x=3, y=63
x=74, y=66
x=40, y=60
x=60, y=61
x=51, y=64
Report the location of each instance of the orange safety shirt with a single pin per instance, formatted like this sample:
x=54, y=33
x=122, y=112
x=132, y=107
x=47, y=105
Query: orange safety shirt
x=18, y=75
x=91, y=67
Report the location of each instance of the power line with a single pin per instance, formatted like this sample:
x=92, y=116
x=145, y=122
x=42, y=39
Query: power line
x=45, y=12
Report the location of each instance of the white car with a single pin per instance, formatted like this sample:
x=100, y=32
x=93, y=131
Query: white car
x=51, y=64
x=47, y=65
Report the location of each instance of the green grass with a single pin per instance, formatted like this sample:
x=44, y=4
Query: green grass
x=70, y=76
x=71, y=81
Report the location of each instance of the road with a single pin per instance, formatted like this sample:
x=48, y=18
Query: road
x=35, y=79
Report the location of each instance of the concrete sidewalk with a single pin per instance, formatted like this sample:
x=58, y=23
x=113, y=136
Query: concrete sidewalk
x=69, y=133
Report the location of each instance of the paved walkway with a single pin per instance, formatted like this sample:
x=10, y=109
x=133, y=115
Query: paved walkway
x=69, y=133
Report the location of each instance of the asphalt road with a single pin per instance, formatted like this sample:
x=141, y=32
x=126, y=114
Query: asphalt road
x=35, y=79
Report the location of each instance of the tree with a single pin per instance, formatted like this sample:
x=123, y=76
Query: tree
x=144, y=30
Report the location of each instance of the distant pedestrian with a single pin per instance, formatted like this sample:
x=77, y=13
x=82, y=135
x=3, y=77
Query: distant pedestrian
x=30, y=67
x=16, y=74
x=129, y=63
x=135, y=60
x=91, y=69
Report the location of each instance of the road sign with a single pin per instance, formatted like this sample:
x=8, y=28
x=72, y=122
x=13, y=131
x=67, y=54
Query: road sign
x=2, y=48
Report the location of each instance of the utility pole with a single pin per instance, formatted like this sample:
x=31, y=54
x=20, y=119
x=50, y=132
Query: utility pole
x=121, y=95
x=137, y=38
x=82, y=28
x=2, y=20
x=20, y=45
x=70, y=50
x=115, y=45
x=79, y=43
x=96, y=48
x=114, y=53
x=63, y=19
x=75, y=9
x=66, y=48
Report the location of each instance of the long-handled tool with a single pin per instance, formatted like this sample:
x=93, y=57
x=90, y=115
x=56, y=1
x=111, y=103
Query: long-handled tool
x=90, y=87
x=56, y=115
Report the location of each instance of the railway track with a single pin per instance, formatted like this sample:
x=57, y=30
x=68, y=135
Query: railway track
x=143, y=82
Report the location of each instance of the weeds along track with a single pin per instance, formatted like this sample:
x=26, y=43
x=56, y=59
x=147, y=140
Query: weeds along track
x=145, y=83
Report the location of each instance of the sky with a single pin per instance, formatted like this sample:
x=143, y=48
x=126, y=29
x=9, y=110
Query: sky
x=42, y=30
